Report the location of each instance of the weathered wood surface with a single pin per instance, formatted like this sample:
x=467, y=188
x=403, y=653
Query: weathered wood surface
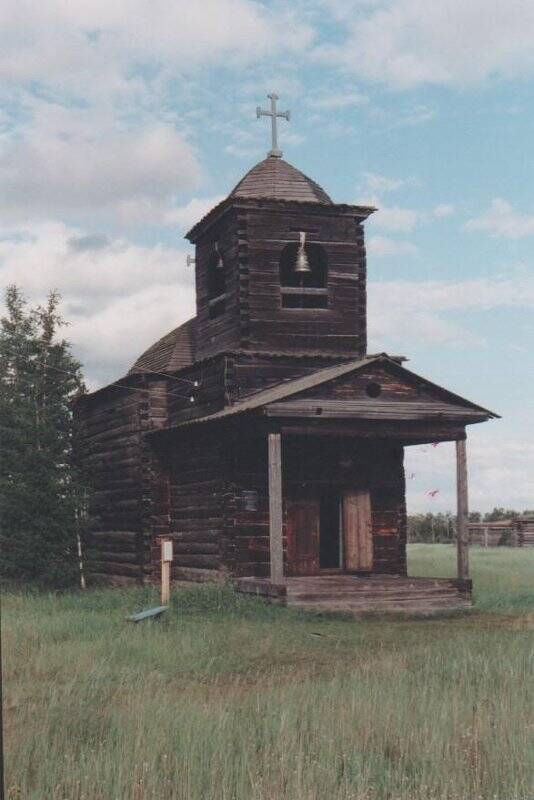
x=517, y=532
x=358, y=595
x=222, y=493
x=276, y=518
x=462, y=513
x=302, y=532
x=251, y=239
x=357, y=530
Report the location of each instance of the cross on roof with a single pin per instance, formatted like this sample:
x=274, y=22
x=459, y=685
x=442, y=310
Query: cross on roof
x=273, y=114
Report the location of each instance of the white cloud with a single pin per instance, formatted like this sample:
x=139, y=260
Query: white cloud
x=444, y=210
x=384, y=246
x=92, y=121
x=427, y=311
x=500, y=469
x=186, y=216
x=118, y=296
x=417, y=115
x=502, y=220
x=111, y=338
x=147, y=211
x=394, y=218
x=113, y=43
x=63, y=163
x=410, y=42
x=380, y=183
x=337, y=100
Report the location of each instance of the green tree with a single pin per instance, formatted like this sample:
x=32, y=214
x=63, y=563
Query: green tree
x=39, y=485
x=499, y=514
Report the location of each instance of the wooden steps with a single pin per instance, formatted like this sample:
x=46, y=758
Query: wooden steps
x=357, y=595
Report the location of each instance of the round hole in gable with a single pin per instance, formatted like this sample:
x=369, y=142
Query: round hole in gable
x=373, y=389
x=318, y=411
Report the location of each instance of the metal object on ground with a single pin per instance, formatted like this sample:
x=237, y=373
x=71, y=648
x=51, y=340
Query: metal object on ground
x=151, y=613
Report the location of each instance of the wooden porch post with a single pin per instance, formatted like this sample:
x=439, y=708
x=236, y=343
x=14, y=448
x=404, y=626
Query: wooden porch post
x=275, y=508
x=462, y=541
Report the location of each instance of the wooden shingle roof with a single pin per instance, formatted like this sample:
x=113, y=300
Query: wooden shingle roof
x=172, y=352
x=275, y=179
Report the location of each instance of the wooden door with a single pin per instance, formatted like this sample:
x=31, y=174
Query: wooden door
x=357, y=531
x=303, y=534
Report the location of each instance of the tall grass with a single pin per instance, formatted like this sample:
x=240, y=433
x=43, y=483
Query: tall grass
x=503, y=576
x=229, y=699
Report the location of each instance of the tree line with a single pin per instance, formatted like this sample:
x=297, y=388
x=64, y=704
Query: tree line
x=442, y=527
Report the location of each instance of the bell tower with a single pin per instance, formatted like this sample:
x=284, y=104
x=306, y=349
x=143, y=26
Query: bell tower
x=280, y=268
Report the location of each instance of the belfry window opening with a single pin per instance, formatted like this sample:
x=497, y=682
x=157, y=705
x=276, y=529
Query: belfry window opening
x=304, y=275
x=216, y=283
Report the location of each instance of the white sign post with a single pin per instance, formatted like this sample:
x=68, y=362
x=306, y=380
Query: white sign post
x=166, y=560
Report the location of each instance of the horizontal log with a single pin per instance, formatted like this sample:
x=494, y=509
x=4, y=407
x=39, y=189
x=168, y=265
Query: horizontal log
x=204, y=548
x=100, y=578
x=200, y=511
x=200, y=575
x=192, y=524
x=114, y=568
x=209, y=561
x=115, y=536
x=111, y=556
x=195, y=536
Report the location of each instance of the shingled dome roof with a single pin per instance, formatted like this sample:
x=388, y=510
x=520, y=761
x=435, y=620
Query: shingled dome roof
x=173, y=352
x=274, y=178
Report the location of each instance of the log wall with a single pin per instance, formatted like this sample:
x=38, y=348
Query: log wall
x=110, y=426
x=196, y=464
x=128, y=488
x=251, y=237
x=318, y=463
x=339, y=328
x=215, y=335
x=227, y=378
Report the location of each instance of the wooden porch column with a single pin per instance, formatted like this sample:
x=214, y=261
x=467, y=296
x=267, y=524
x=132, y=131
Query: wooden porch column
x=462, y=541
x=275, y=508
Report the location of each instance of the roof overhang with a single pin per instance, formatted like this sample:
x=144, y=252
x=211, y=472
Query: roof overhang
x=361, y=213
x=283, y=401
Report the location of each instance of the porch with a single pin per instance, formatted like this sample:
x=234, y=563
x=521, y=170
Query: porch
x=348, y=576
x=356, y=594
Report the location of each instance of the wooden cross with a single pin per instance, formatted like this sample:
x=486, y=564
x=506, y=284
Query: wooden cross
x=273, y=114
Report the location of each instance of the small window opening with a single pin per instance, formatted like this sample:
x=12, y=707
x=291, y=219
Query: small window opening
x=304, y=275
x=216, y=284
x=373, y=389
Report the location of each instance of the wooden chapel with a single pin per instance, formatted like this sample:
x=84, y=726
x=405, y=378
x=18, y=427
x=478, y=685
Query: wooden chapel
x=261, y=436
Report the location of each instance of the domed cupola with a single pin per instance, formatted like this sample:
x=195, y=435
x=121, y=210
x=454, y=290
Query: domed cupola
x=275, y=179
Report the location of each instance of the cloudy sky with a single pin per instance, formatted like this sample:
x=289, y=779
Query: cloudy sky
x=121, y=123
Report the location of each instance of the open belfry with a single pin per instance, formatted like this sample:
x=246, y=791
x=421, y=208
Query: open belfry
x=261, y=436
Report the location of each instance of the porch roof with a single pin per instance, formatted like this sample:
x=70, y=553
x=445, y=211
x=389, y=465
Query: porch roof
x=451, y=407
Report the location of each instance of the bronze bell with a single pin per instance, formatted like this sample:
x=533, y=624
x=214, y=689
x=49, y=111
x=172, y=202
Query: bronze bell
x=302, y=266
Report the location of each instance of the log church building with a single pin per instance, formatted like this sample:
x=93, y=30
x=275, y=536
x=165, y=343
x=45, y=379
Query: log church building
x=261, y=436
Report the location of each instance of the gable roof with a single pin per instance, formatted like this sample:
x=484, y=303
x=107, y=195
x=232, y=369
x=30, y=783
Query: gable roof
x=456, y=405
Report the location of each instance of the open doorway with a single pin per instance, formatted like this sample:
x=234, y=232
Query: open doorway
x=330, y=527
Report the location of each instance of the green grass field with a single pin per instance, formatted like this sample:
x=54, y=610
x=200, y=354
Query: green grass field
x=230, y=699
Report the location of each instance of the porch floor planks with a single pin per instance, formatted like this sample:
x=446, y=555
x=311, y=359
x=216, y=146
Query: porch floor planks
x=357, y=594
